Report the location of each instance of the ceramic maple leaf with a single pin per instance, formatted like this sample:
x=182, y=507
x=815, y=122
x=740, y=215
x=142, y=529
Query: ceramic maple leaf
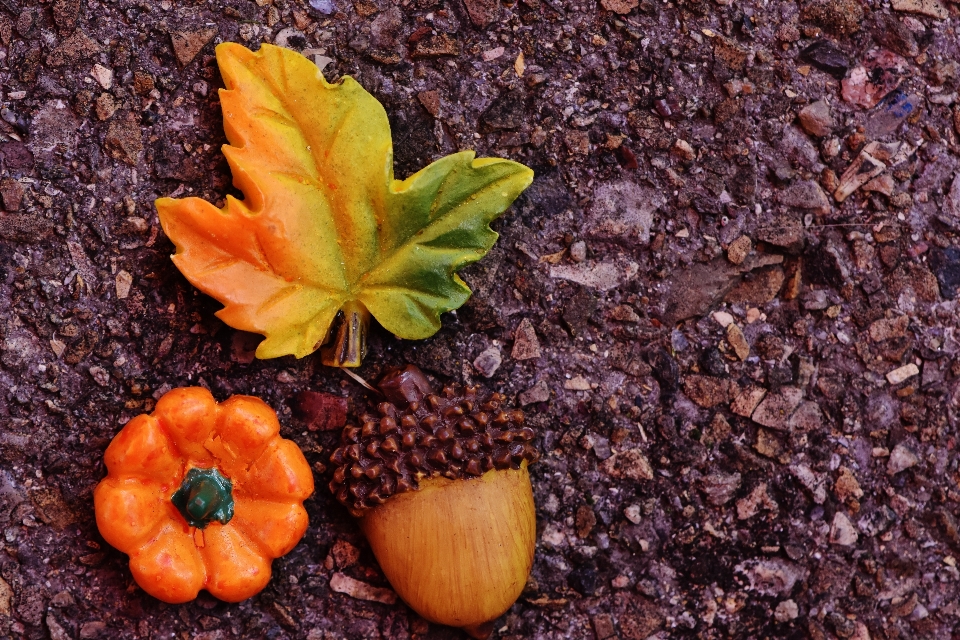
x=324, y=228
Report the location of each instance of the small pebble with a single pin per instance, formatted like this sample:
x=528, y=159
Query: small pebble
x=816, y=119
x=102, y=75
x=123, y=282
x=723, y=318
x=900, y=374
x=683, y=151
x=488, y=362
x=540, y=392
x=577, y=383
x=786, y=611
x=901, y=458
x=526, y=346
x=739, y=249
x=738, y=341
x=578, y=251
x=842, y=531
x=342, y=583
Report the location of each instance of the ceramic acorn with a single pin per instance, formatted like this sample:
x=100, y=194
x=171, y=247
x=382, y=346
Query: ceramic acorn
x=439, y=483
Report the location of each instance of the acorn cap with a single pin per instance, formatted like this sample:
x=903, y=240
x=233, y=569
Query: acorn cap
x=417, y=434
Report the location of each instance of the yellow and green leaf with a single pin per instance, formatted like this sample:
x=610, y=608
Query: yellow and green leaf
x=324, y=228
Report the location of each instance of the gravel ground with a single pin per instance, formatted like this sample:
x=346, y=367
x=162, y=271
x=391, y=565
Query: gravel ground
x=728, y=302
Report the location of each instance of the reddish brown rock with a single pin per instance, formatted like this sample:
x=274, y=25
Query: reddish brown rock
x=52, y=508
x=777, y=408
x=24, y=228
x=631, y=464
x=729, y=53
x=747, y=400
x=65, y=13
x=739, y=249
x=816, y=119
x=847, y=486
x=320, y=411
x=430, y=101
x=188, y=43
x=526, y=346
x=124, y=141
x=623, y=7
x=708, y=391
x=889, y=328
x=578, y=142
x=839, y=17
x=758, y=500
x=720, y=487
x=483, y=12
x=880, y=74
x=435, y=47
x=77, y=47
x=11, y=192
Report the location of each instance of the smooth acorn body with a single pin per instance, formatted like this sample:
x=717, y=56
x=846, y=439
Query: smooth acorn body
x=458, y=551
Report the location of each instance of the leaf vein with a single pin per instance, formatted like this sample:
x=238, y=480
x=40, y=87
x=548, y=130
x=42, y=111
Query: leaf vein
x=273, y=115
x=280, y=296
x=314, y=149
x=409, y=291
x=412, y=240
x=218, y=265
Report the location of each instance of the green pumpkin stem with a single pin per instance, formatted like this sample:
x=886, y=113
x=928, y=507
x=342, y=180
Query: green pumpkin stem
x=204, y=496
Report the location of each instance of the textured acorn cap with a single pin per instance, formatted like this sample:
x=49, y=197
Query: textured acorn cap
x=417, y=435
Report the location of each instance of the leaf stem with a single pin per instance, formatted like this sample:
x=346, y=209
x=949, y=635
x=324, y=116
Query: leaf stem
x=349, y=344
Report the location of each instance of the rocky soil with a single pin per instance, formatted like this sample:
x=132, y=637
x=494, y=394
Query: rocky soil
x=728, y=302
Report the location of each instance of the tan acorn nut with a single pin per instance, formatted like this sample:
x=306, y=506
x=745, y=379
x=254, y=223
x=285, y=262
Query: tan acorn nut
x=441, y=487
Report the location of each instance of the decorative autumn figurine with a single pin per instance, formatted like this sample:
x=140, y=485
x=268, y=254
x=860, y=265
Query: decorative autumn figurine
x=440, y=485
x=203, y=496
x=326, y=237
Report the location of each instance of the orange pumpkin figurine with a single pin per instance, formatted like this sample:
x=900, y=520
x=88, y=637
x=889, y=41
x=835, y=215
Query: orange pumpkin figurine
x=203, y=495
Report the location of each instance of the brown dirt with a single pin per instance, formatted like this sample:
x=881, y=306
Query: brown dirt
x=793, y=476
